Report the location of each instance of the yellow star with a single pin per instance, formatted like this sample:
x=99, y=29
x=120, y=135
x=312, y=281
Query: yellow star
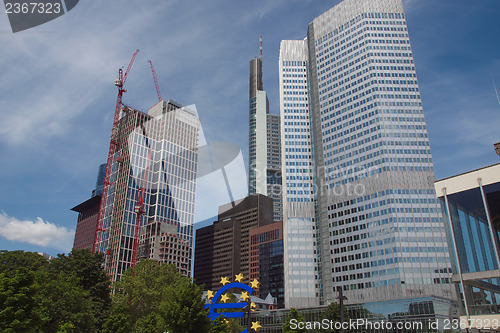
x=256, y=325
x=239, y=277
x=210, y=294
x=224, y=298
x=255, y=284
x=224, y=281
x=245, y=296
x=253, y=305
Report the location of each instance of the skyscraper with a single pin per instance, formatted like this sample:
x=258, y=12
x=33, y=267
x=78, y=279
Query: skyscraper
x=264, y=143
x=153, y=176
x=359, y=206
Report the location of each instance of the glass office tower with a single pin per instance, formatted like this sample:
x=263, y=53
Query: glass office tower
x=299, y=224
x=359, y=207
x=158, y=156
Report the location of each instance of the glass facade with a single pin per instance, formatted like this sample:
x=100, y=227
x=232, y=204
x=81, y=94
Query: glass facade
x=266, y=261
x=427, y=314
x=299, y=219
x=158, y=162
x=356, y=145
x=471, y=207
x=271, y=270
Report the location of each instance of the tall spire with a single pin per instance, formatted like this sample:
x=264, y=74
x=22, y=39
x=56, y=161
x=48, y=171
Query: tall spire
x=260, y=47
x=260, y=50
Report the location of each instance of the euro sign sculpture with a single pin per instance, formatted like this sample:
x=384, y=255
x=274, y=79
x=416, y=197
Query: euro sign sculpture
x=240, y=305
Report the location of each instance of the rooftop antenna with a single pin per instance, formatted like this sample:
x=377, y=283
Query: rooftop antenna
x=260, y=51
x=260, y=47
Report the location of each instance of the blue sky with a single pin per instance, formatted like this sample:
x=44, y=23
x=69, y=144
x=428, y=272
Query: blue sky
x=57, y=95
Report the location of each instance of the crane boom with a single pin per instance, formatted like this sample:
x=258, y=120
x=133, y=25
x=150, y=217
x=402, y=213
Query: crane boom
x=119, y=83
x=130, y=65
x=156, y=81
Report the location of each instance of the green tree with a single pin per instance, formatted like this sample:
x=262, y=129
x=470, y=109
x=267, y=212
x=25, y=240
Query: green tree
x=87, y=268
x=220, y=325
x=182, y=311
x=69, y=294
x=293, y=314
x=118, y=320
x=64, y=305
x=10, y=261
x=332, y=313
x=155, y=298
x=18, y=305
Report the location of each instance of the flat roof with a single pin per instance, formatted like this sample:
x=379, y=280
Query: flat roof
x=468, y=180
x=87, y=204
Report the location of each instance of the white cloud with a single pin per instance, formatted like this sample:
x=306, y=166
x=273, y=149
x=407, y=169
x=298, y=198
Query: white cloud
x=39, y=232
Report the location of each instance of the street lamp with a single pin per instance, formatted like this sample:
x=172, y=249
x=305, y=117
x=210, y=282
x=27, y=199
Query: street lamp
x=341, y=299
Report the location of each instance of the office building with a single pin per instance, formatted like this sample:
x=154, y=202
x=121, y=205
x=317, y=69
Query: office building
x=153, y=177
x=223, y=249
x=88, y=214
x=359, y=207
x=266, y=261
x=264, y=143
x=471, y=208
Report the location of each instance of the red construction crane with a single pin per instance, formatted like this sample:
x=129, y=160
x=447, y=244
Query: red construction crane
x=156, y=81
x=139, y=206
x=120, y=82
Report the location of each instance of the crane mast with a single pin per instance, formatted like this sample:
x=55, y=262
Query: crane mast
x=114, y=142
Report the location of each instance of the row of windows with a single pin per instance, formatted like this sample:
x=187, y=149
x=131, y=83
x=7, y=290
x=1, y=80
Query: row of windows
x=352, y=151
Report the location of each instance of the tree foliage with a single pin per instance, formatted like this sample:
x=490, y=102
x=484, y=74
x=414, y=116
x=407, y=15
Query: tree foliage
x=72, y=293
x=64, y=305
x=17, y=302
x=87, y=268
x=156, y=298
x=293, y=314
x=222, y=324
x=332, y=313
x=68, y=294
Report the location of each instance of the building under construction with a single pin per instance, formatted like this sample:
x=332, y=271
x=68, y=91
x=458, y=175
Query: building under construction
x=148, y=200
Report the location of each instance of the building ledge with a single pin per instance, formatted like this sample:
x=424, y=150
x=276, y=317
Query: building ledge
x=492, y=274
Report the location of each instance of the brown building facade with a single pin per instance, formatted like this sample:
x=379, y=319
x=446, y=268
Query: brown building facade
x=88, y=213
x=223, y=249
